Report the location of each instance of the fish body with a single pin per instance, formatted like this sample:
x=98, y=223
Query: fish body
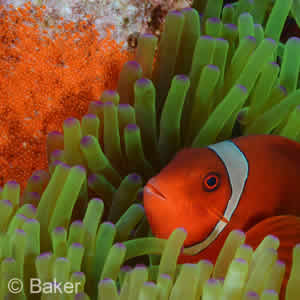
x=245, y=183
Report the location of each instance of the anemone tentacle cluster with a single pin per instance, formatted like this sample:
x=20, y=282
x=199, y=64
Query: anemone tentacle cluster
x=215, y=75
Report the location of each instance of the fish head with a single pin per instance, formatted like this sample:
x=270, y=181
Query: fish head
x=192, y=192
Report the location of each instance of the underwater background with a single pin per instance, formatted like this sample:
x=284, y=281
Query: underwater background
x=86, y=120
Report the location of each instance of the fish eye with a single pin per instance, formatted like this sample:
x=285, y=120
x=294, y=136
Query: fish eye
x=211, y=182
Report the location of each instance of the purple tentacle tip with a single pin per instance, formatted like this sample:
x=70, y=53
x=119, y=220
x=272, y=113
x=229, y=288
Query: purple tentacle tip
x=271, y=40
x=244, y=14
x=98, y=200
x=109, y=93
x=7, y=202
x=140, y=206
x=131, y=127
x=246, y=246
x=35, y=196
x=273, y=63
x=31, y=221
x=70, y=121
x=32, y=207
x=140, y=266
x=120, y=245
x=294, y=38
x=270, y=292
x=20, y=216
x=212, y=281
x=133, y=64
x=175, y=13
x=9, y=259
x=45, y=255
x=148, y=35
x=183, y=229
x=90, y=116
x=149, y=283
x=283, y=89
x=98, y=104
x=64, y=165
x=36, y=178
x=106, y=281
x=92, y=178
x=240, y=260
x=206, y=37
x=207, y=262
x=126, y=268
x=77, y=223
x=108, y=104
x=214, y=20
x=182, y=77
x=252, y=294
x=143, y=81
x=214, y=67
x=53, y=133
x=134, y=177
x=59, y=230
x=273, y=237
x=12, y=184
x=243, y=88
x=220, y=39
x=56, y=153
x=86, y=140
x=240, y=232
x=124, y=106
x=187, y=9
x=231, y=26
x=79, y=296
x=251, y=38
x=80, y=168
x=61, y=259
x=166, y=276
x=109, y=223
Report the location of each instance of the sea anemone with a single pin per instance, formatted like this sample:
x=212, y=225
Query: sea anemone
x=215, y=76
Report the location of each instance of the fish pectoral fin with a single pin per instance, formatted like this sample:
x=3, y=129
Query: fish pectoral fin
x=287, y=229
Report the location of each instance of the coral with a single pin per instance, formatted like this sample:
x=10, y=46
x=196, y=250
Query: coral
x=219, y=69
x=127, y=16
x=44, y=81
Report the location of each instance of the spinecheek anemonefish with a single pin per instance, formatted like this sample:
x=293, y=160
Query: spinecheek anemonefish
x=250, y=183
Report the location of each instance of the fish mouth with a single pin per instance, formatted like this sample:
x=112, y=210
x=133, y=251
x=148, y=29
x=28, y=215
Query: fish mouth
x=151, y=189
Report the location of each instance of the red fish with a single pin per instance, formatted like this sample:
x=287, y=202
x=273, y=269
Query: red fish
x=245, y=183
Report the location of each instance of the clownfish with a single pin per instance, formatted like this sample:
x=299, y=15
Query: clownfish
x=251, y=183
